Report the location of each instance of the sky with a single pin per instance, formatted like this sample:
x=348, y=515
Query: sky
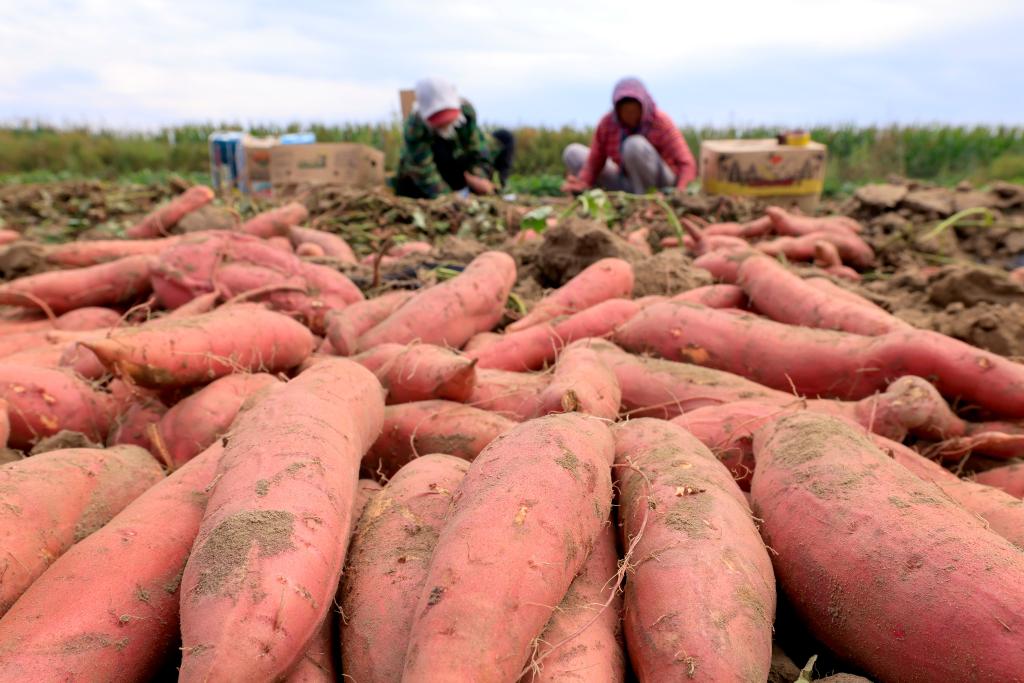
x=148, y=63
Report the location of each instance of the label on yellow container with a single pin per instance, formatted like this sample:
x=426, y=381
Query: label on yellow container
x=768, y=189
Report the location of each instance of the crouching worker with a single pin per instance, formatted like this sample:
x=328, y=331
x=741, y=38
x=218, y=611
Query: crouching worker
x=636, y=148
x=445, y=150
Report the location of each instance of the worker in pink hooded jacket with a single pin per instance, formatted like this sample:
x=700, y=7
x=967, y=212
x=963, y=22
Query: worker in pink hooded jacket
x=636, y=147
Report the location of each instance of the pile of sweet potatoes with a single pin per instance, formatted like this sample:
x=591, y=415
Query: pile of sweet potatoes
x=226, y=462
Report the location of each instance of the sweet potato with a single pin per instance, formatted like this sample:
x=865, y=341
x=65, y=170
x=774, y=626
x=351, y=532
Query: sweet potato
x=286, y=486
x=531, y=348
x=723, y=265
x=345, y=326
x=639, y=238
x=878, y=562
x=522, y=523
x=40, y=340
x=110, y=603
x=161, y=220
x=786, y=223
x=82, y=253
x=515, y=395
x=280, y=243
x=411, y=247
x=330, y=244
x=715, y=296
x=1008, y=478
x=132, y=425
x=450, y=313
x=309, y=250
x=170, y=352
x=80, y=319
x=418, y=372
x=823, y=362
x=5, y=425
x=52, y=500
x=198, y=420
x=701, y=598
x=204, y=303
x=826, y=257
x=854, y=250
x=583, y=639
x=43, y=401
x=388, y=563
x=107, y=284
x=785, y=297
x=582, y=383
x=755, y=228
x=478, y=341
x=609, y=278
x=414, y=429
x=365, y=491
x=275, y=222
x=8, y=236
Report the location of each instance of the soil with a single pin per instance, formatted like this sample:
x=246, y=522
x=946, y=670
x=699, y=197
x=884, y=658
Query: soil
x=63, y=439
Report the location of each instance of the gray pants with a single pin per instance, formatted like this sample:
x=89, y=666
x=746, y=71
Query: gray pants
x=642, y=167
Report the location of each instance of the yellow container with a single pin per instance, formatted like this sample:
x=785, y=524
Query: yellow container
x=793, y=174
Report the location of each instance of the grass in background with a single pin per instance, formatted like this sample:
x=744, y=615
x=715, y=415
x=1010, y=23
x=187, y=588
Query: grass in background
x=943, y=154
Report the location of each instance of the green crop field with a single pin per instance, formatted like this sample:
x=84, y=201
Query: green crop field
x=942, y=154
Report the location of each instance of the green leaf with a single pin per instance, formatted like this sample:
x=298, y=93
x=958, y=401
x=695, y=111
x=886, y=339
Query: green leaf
x=536, y=220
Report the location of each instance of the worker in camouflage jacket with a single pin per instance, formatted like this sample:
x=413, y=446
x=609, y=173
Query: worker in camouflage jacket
x=444, y=149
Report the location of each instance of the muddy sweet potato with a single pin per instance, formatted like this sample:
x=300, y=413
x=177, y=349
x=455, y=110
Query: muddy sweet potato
x=43, y=401
x=419, y=372
x=609, y=278
x=171, y=352
x=450, y=313
x=715, y=296
x=785, y=297
x=345, y=326
x=388, y=563
x=582, y=382
x=414, y=429
x=1008, y=478
x=165, y=217
x=878, y=562
x=50, y=501
x=107, y=284
x=824, y=362
x=77, y=320
x=110, y=603
x=275, y=222
x=132, y=425
x=853, y=250
x=786, y=223
x=195, y=422
x=583, y=640
x=523, y=522
x=82, y=253
x=701, y=597
x=515, y=395
x=330, y=244
x=267, y=560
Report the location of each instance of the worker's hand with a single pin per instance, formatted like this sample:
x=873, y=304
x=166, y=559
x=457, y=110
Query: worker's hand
x=573, y=184
x=479, y=185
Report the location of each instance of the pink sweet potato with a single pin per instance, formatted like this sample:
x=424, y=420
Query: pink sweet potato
x=755, y=228
x=388, y=563
x=723, y=265
x=330, y=244
x=110, y=603
x=43, y=401
x=280, y=243
x=170, y=352
x=701, y=599
x=823, y=362
x=854, y=250
x=204, y=303
x=283, y=504
x=160, y=221
x=878, y=563
x=108, y=284
x=515, y=395
x=1008, y=478
x=81, y=253
x=715, y=296
x=583, y=383
x=418, y=372
x=478, y=341
x=195, y=422
x=532, y=348
x=55, y=499
x=415, y=429
x=40, y=340
x=609, y=278
x=522, y=524
x=80, y=319
x=309, y=250
x=275, y=222
x=345, y=326
x=583, y=640
x=786, y=223
x=450, y=313
x=133, y=422
x=8, y=236
x=5, y=424
x=785, y=297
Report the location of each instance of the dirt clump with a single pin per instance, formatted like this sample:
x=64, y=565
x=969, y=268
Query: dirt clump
x=971, y=284
x=61, y=440
x=226, y=549
x=576, y=243
x=667, y=273
x=209, y=217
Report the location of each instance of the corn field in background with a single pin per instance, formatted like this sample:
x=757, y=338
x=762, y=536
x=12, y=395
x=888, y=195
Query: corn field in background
x=941, y=154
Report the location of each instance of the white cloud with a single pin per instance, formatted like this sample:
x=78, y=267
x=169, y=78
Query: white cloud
x=158, y=61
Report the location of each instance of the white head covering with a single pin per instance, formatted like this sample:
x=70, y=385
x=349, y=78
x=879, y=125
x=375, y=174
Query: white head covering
x=434, y=95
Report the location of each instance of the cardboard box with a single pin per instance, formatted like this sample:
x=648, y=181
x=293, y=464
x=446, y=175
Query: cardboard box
x=407, y=98
x=255, y=176
x=327, y=163
x=785, y=174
